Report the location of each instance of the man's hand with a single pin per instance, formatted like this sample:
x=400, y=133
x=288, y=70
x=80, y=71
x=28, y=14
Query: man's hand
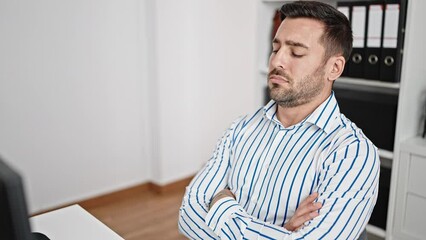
x=306, y=211
x=224, y=193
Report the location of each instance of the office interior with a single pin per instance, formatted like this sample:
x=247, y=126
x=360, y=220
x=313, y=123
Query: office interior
x=103, y=95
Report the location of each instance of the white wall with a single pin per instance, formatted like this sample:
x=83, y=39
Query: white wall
x=205, y=68
x=99, y=95
x=71, y=93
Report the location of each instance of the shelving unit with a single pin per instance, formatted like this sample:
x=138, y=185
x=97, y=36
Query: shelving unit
x=401, y=220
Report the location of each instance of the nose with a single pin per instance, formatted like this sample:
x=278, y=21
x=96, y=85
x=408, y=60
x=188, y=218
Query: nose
x=277, y=60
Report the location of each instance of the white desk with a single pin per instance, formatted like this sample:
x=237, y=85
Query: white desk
x=71, y=223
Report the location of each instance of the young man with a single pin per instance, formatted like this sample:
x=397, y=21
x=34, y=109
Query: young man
x=296, y=168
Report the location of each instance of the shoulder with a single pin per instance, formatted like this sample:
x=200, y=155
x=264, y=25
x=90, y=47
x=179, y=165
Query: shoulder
x=350, y=141
x=243, y=122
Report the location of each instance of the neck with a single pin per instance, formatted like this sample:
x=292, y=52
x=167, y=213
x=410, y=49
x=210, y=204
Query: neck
x=289, y=116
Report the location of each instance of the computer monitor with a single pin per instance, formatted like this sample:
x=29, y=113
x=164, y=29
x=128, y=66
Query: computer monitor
x=14, y=223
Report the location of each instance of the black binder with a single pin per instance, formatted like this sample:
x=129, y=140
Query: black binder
x=358, y=22
x=393, y=28
x=374, y=40
x=345, y=8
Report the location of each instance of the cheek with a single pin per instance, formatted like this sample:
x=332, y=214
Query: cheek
x=300, y=69
x=305, y=67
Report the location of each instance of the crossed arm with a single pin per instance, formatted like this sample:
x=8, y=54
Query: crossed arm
x=307, y=210
x=346, y=198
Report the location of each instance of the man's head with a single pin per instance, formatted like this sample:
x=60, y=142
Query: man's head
x=337, y=38
x=309, y=52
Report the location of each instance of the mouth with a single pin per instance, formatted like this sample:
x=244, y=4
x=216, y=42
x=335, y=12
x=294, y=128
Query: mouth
x=277, y=79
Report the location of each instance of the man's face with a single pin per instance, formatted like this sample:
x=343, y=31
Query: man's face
x=296, y=66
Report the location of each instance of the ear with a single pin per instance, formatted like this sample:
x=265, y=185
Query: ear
x=337, y=64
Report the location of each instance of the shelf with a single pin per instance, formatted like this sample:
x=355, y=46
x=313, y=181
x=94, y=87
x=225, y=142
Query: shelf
x=385, y=154
x=376, y=231
x=415, y=145
x=366, y=82
x=355, y=81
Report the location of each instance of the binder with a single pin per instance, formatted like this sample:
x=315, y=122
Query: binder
x=358, y=23
x=374, y=40
x=389, y=54
x=345, y=8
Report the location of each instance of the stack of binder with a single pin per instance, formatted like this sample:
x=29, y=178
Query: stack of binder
x=377, y=28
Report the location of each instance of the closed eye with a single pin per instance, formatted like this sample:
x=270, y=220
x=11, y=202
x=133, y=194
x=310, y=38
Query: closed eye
x=296, y=55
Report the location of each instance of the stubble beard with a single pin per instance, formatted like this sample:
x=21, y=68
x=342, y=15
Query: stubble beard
x=296, y=94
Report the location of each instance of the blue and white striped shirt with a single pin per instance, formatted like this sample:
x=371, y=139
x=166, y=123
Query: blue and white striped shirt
x=271, y=169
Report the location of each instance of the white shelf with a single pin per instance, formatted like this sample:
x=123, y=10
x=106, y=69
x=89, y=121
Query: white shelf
x=376, y=231
x=365, y=82
x=415, y=145
x=385, y=153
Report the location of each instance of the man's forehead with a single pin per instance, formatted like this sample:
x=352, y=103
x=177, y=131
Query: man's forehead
x=305, y=31
x=305, y=21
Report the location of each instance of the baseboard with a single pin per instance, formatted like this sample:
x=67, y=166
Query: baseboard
x=124, y=193
x=178, y=185
x=114, y=196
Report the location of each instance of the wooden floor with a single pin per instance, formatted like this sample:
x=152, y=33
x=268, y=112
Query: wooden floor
x=140, y=214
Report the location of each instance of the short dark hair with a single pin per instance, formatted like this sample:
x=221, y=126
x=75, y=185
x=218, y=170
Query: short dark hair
x=337, y=37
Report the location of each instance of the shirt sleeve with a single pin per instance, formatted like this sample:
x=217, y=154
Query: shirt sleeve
x=209, y=181
x=229, y=220
x=348, y=185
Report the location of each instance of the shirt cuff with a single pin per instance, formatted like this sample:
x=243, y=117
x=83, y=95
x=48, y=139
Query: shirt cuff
x=220, y=213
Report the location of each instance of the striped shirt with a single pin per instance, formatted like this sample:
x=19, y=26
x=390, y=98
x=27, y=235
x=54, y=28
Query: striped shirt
x=272, y=169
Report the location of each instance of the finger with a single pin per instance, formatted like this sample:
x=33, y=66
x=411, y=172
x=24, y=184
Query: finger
x=299, y=221
x=309, y=199
x=311, y=207
x=308, y=205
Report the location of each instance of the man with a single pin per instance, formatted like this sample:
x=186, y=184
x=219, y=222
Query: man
x=296, y=168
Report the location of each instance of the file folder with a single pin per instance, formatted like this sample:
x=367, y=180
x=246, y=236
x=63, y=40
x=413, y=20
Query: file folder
x=358, y=23
x=390, y=53
x=374, y=41
x=345, y=8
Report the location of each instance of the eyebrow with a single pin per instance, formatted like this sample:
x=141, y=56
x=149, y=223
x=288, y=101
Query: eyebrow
x=291, y=43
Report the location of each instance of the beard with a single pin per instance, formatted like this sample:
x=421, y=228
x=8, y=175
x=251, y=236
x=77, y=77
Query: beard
x=297, y=93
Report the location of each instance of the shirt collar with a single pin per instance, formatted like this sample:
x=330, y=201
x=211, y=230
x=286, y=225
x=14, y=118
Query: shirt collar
x=326, y=114
x=323, y=116
x=270, y=112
